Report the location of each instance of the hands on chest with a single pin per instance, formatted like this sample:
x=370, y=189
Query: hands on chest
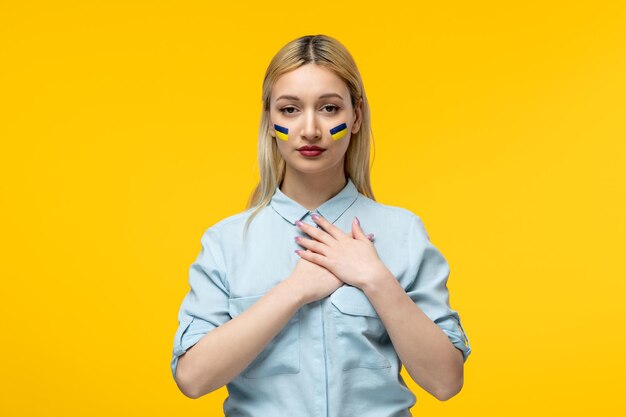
x=333, y=258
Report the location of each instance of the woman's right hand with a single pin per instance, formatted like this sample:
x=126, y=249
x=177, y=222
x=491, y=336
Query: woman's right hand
x=313, y=281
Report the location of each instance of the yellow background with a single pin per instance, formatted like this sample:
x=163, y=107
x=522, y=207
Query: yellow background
x=127, y=128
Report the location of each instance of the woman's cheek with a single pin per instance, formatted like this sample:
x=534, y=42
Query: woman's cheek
x=339, y=131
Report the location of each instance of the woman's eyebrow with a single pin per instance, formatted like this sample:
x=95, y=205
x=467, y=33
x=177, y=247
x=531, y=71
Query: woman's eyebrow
x=328, y=95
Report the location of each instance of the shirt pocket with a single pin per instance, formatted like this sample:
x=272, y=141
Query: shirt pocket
x=282, y=354
x=359, y=329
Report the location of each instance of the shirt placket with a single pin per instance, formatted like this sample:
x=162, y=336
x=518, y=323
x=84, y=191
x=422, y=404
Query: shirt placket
x=320, y=343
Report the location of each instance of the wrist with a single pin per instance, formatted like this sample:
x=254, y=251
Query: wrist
x=292, y=293
x=379, y=279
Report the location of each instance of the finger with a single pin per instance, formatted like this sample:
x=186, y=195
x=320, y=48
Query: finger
x=357, y=232
x=330, y=228
x=313, y=257
x=316, y=233
x=370, y=236
x=311, y=245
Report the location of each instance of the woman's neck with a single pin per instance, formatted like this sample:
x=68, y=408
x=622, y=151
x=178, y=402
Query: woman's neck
x=312, y=191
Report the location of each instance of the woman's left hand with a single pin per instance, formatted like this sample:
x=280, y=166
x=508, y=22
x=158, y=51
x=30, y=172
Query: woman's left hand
x=352, y=259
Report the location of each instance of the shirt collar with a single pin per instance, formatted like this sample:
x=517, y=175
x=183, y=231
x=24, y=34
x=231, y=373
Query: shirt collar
x=331, y=209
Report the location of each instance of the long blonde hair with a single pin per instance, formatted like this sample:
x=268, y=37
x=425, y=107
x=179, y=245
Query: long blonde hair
x=330, y=53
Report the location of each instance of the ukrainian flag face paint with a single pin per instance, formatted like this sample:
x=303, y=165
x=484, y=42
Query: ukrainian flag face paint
x=281, y=132
x=338, y=132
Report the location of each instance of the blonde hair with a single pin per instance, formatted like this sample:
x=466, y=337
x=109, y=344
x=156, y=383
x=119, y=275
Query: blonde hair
x=330, y=53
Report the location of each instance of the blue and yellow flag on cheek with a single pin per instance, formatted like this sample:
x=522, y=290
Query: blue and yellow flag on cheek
x=338, y=132
x=281, y=132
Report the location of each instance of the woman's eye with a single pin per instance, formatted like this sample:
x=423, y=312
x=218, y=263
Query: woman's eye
x=330, y=108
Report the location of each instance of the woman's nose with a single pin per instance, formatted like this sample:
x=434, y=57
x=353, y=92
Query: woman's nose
x=311, y=128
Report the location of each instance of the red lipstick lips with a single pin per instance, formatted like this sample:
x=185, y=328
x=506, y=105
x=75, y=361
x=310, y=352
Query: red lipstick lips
x=310, y=150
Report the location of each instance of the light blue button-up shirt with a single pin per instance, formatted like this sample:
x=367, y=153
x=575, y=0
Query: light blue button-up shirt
x=334, y=357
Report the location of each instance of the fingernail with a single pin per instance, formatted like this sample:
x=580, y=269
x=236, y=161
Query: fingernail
x=298, y=223
x=315, y=216
x=370, y=236
x=356, y=220
x=296, y=238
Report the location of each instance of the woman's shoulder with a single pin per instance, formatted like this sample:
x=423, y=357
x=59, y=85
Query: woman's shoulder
x=232, y=226
x=387, y=212
x=235, y=220
x=238, y=217
x=396, y=218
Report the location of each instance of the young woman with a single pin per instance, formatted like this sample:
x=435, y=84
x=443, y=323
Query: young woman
x=310, y=301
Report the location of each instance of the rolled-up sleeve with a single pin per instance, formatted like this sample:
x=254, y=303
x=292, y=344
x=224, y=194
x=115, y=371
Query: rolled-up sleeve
x=205, y=306
x=428, y=289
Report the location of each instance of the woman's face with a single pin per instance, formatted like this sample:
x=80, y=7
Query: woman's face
x=310, y=106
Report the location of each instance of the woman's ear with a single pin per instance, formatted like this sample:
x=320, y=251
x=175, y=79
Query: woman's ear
x=359, y=117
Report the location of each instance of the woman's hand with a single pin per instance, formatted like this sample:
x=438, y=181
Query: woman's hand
x=312, y=282
x=350, y=257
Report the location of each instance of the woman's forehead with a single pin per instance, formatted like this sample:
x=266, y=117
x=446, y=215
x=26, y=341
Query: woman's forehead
x=309, y=82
